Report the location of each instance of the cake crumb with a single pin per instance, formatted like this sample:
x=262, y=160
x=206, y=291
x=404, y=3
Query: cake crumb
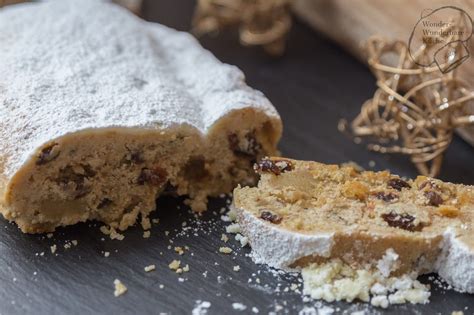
x=232, y=214
x=186, y=268
x=174, y=265
x=239, y=306
x=236, y=268
x=113, y=234
x=146, y=234
x=242, y=239
x=105, y=230
x=225, y=250
x=201, y=307
x=106, y=254
x=233, y=228
x=224, y=238
x=49, y=235
x=120, y=288
x=150, y=268
x=53, y=248
x=179, y=250
x=457, y=313
x=145, y=223
x=336, y=281
x=155, y=221
x=74, y=242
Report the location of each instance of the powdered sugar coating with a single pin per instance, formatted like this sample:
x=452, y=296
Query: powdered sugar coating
x=277, y=247
x=456, y=263
x=74, y=65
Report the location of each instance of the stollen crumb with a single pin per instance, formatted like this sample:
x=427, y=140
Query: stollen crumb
x=239, y=306
x=120, y=288
x=174, y=265
x=201, y=307
x=225, y=250
x=150, y=268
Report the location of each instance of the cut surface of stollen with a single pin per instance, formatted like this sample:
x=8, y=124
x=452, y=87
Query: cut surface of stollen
x=102, y=112
x=304, y=213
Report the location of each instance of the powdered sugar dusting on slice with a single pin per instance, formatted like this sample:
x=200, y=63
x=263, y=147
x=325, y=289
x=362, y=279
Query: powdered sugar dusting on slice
x=456, y=263
x=279, y=248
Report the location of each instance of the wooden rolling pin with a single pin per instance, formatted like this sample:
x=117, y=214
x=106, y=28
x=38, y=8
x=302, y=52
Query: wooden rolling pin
x=351, y=23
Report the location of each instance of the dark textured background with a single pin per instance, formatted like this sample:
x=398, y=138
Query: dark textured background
x=313, y=86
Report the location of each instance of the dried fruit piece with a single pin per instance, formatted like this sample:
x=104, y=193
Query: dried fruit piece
x=48, y=154
x=449, y=211
x=403, y=221
x=275, y=166
x=270, y=217
x=386, y=196
x=154, y=177
x=355, y=190
x=398, y=184
x=133, y=157
x=104, y=203
x=74, y=179
x=434, y=199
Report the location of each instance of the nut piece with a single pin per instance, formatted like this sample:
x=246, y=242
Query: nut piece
x=274, y=166
x=270, y=217
x=386, y=196
x=154, y=177
x=48, y=154
x=434, y=199
x=402, y=221
x=355, y=190
x=398, y=184
x=449, y=211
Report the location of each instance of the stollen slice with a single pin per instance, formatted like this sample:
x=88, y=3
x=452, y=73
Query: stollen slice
x=303, y=213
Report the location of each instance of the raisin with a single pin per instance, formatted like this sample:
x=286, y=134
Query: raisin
x=48, y=154
x=398, y=184
x=386, y=196
x=247, y=147
x=135, y=157
x=270, y=217
x=402, y=221
x=154, y=177
x=76, y=183
x=82, y=190
x=434, y=199
x=274, y=166
x=104, y=203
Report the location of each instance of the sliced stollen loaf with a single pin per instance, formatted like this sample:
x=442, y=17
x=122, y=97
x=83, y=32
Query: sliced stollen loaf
x=101, y=112
x=307, y=212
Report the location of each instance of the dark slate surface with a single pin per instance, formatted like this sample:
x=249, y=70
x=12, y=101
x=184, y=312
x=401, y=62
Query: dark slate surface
x=313, y=86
